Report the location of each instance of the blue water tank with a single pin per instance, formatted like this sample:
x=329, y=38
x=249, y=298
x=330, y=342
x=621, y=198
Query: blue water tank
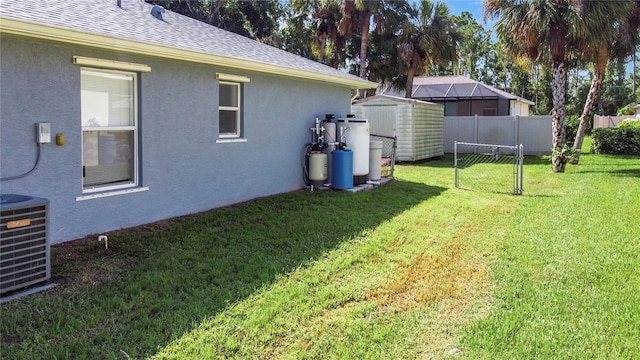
x=342, y=169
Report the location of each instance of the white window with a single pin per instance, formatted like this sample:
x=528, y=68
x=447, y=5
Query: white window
x=229, y=110
x=109, y=129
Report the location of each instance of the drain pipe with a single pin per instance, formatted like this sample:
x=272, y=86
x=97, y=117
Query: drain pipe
x=106, y=240
x=356, y=91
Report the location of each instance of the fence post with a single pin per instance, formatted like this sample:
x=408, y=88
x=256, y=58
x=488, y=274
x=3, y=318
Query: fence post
x=517, y=129
x=455, y=161
x=521, y=160
x=395, y=148
x=476, y=125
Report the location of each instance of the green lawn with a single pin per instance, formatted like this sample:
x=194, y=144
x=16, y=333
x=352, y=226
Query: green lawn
x=409, y=270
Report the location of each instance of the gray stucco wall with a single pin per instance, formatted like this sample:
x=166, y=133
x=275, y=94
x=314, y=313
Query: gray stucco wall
x=181, y=163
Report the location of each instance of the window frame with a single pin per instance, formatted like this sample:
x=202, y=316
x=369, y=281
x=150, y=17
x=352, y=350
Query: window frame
x=133, y=129
x=237, y=109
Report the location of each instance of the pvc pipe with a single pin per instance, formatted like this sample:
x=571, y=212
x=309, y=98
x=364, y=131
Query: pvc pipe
x=106, y=240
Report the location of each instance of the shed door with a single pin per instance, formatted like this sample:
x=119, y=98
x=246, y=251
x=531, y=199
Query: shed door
x=382, y=119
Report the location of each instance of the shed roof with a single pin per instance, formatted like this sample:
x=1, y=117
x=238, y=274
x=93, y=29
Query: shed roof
x=131, y=28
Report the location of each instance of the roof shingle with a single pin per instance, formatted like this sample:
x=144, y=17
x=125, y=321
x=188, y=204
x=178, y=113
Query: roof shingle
x=133, y=21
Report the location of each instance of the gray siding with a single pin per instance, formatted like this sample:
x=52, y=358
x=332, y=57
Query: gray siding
x=181, y=163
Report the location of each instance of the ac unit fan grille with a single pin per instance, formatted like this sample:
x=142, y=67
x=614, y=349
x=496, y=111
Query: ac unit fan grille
x=24, y=250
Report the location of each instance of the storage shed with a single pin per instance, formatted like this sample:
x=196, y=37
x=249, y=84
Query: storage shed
x=418, y=125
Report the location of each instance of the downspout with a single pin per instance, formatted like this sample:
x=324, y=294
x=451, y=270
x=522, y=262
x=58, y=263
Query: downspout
x=356, y=92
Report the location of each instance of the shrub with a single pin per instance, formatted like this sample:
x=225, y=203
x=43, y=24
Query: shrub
x=619, y=140
x=629, y=124
x=571, y=124
x=626, y=110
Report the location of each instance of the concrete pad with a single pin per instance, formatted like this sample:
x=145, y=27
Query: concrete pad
x=27, y=292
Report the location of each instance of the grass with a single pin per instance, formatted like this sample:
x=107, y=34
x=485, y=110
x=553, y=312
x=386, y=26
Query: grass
x=410, y=270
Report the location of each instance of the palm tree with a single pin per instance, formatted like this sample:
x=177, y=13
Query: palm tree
x=325, y=15
x=358, y=13
x=321, y=18
x=429, y=37
x=613, y=32
x=541, y=30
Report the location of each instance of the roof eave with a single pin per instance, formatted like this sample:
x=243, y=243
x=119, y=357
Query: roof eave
x=64, y=35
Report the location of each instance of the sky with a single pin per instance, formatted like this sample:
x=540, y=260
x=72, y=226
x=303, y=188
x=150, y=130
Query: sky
x=476, y=8
x=472, y=6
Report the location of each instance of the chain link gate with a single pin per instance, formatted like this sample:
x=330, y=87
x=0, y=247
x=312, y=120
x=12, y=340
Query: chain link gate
x=496, y=168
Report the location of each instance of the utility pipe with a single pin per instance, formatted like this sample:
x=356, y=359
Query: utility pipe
x=356, y=92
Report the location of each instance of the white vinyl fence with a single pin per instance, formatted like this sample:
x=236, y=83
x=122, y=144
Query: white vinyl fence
x=608, y=121
x=533, y=132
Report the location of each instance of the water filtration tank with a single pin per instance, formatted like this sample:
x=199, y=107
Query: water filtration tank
x=330, y=138
x=318, y=166
x=356, y=134
x=375, y=160
x=342, y=169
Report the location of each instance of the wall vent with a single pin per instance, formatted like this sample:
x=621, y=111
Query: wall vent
x=24, y=242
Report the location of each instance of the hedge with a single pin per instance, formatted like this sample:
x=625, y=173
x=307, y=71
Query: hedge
x=618, y=140
x=629, y=123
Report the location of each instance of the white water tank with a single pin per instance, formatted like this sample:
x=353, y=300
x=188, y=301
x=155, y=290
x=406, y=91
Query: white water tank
x=355, y=133
x=375, y=159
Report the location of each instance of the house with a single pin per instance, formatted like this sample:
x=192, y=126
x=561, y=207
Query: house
x=462, y=96
x=144, y=117
x=637, y=110
x=417, y=125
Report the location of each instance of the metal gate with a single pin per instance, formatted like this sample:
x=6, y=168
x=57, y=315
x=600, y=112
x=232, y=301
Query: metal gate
x=495, y=168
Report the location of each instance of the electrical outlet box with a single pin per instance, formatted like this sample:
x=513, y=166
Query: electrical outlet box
x=43, y=133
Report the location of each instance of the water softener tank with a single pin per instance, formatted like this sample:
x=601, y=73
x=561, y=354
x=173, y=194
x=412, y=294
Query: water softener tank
x=342, y=169
x=318, y=166
x=356, y=135
x=330, y=138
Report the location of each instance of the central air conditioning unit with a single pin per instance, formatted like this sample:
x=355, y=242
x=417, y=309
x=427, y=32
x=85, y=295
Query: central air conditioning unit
x=24, y=242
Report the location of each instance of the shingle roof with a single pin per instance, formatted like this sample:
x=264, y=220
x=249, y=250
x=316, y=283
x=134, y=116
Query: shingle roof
x=133, y=22
x=455, y=87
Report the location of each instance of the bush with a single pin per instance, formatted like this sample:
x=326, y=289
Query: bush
x=571, y=125
x=623, y=140
x=629, y=124
x=626, y=110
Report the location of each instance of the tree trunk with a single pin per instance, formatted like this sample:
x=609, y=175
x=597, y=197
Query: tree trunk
x=590, y=103
x=364, y=43
x=558, y=159
x=409, y=89
x=323, y=47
